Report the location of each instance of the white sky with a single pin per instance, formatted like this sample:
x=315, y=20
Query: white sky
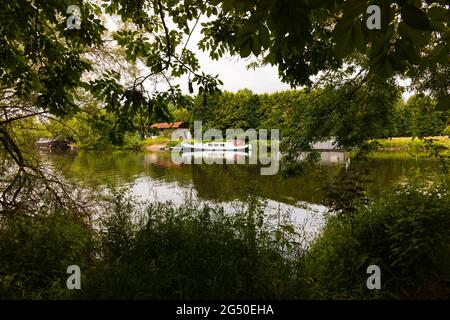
x=233, y=71
x=235, y=76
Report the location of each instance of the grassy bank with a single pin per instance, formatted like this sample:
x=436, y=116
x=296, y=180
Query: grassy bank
x=413, y=145
x=399, y=144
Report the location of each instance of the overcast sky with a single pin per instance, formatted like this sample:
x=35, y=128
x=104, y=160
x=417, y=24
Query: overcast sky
x=235, y=75
x=232, y=71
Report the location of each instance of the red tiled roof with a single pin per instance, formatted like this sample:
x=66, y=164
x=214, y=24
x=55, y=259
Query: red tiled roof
x=165, y=125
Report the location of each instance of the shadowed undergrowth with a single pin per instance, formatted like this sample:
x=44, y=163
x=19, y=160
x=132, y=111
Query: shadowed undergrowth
x=193, y=252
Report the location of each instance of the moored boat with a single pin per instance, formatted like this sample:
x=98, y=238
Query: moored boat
x=215, y=156
x=236, y=146
x=44, y=143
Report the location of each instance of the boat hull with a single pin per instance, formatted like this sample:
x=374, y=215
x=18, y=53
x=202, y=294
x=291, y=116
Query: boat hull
x=200, y=148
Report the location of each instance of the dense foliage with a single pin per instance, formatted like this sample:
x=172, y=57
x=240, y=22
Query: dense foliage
x=295, y=113
x=103, y=86
x=405, y=232
x=35, y=253
x=304, y=37
x=195, y=252
x=419, y=117
x=298, y=113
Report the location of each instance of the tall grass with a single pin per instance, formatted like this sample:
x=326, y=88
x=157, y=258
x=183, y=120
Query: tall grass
x=406, y=232
x=201, y=252
x=36, y=251
x=189, y=253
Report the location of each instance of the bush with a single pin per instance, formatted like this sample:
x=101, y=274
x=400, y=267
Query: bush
x=132, y=141
x=446, y=131
x=35, y=253
x=405, y=232
x=190, y=253
x=194, y=252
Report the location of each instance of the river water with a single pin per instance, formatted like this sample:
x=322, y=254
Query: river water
x=154, y=176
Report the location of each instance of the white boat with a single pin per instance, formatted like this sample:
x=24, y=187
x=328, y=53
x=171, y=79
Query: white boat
x=236, y=146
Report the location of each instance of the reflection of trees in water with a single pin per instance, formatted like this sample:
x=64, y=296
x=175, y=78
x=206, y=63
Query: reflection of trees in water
x=228, y=182
x=388, y=172
x=349, y=187
x=370, y=176
x=118, y=167
x=231, y=182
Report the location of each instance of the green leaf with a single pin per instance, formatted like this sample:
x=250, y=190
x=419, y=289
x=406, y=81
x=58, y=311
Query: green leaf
x=344, y=43
x=278, y=235
x=288, y=228
x=438, y=26
x=256, y=45
x=439, y=14
x=342, y=26
x=397, y=61
x=246, y=48
x=409, y=52
x=443, y=103
x=358, y=39
x=264, y=36
x=442, y=54
x=415, y=17
x=353, y=8
x=227, y=5
x=417, y=38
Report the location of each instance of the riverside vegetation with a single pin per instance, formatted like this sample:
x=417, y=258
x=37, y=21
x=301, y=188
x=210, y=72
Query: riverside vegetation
x=293, y=112
x=160, y=251
x=103, y=87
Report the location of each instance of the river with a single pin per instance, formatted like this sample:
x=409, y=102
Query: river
x=154, y=176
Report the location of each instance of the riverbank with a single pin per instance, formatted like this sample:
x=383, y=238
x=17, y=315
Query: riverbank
x=402, y=146
x=157, y=144
x=201, y=252
x=391, y=144
x=414, y=145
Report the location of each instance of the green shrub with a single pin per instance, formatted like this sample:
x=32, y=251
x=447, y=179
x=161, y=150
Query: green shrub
x=195, y=252
x=190, y=253
x=35, y=253
x=405, y=232
x=132, y=141
x=446, y=131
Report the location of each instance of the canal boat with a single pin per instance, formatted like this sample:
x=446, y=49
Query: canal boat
x=229, y=146
x=44, y=143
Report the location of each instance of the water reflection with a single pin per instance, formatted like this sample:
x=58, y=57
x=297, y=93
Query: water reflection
x=154, y=176
x=331, y=158
x=211, y=157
